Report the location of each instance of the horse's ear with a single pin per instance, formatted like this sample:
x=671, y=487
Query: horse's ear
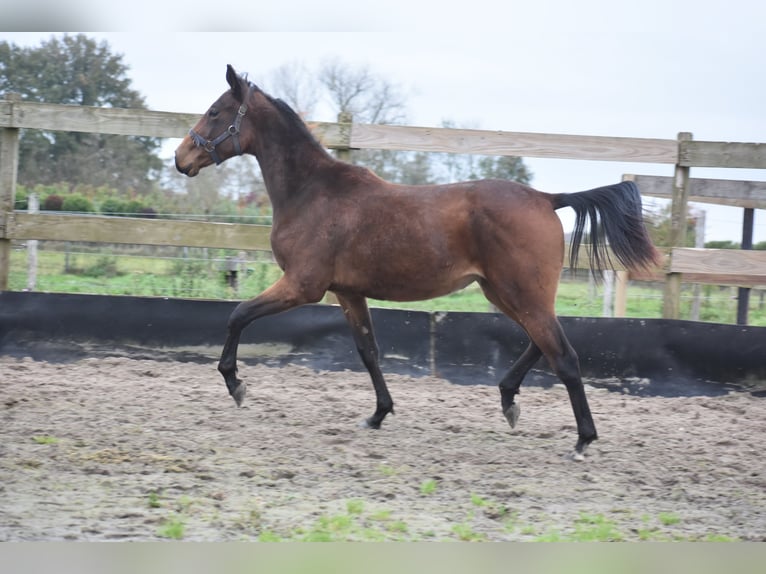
x=234, y=82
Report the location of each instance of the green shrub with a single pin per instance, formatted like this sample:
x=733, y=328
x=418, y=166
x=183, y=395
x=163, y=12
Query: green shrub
x=76, y=203
x=112, y=206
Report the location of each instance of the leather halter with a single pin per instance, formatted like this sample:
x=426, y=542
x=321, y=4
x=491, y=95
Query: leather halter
x=231, y=132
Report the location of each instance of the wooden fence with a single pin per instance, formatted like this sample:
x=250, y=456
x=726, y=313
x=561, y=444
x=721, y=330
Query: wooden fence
x=733, y=267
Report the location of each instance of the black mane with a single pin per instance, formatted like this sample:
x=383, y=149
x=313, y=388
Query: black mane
x=294, y=121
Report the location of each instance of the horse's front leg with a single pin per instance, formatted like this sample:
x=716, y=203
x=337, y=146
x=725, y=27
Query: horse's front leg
x=281, y=296
x=358, y=316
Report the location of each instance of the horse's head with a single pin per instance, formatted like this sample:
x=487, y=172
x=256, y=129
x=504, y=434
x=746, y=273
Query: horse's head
x=216, y=137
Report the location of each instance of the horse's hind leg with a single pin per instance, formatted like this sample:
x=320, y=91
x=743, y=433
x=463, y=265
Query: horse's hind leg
x=547, y=333
x=358, y=316
x=547, y=338
x=509, y=385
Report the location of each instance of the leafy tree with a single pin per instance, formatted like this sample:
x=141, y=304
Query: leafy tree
x=77, y=70
x=659, y=224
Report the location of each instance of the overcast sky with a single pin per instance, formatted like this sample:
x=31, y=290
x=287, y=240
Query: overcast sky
x=647, y=68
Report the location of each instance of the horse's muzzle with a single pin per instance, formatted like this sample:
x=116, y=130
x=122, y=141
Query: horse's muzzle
x=187, y=169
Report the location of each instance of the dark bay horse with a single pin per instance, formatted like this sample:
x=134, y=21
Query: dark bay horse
x=338, y=227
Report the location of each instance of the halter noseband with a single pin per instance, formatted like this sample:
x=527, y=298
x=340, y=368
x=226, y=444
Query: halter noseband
x=231, y=132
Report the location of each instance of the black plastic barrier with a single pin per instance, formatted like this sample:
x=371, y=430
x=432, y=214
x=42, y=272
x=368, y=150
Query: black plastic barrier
x=653, y=356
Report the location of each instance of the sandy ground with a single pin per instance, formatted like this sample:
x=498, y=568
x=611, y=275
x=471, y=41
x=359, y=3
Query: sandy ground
x=124, y=449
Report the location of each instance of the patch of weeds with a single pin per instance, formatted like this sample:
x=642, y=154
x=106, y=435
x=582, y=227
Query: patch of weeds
x=269, y=536
x=355, y=506
x=381, y=516
x=428, y=487
x=397, y=526
x=154, y=500
x=550, y=536
x=173, y=527
x=387, y=470
x=330, y=529
x=493, y=510
x=45, y=439
x=719, y=538
x=669, y=518
x=466, y=533
x=354, y=525
x=595, y=528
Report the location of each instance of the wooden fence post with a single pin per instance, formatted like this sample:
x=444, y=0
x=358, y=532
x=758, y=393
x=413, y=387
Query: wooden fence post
x=743, y=293
x=671, y=303
x=9, y=165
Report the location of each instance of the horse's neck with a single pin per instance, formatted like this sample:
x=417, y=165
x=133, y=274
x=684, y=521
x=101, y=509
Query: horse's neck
x=287, y=157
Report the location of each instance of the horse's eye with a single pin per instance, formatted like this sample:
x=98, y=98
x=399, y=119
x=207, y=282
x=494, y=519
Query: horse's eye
x=213, y=113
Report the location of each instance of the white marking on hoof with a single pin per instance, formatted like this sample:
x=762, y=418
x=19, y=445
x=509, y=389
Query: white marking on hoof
x=239, y=394
x=512, y=414
x=579, y=456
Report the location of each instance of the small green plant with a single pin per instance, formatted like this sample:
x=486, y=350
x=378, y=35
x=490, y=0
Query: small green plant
x=355, y=506
x=154, y=500
x=477, y=500
x=550, y=536
x=397, y=526
x=718, y=538
x=669, y=518
x=466, y=533
x=330, y=529
x=269, y=536
x=45, y=439
x=428, y=486
x=173, y=527
x=595, y=528
x=387, y=470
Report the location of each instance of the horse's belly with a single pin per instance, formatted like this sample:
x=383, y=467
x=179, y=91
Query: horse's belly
x=407, y=285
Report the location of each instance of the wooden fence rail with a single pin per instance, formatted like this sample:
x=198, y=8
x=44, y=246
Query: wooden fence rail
x=684, y=153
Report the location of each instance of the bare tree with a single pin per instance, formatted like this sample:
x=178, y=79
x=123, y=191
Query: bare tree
x=358, y=91
x=297, y=86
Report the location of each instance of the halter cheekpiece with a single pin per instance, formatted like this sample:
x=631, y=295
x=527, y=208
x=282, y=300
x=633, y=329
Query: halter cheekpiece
x=231, y=132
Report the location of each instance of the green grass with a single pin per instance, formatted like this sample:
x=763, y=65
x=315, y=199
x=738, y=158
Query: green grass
x=45, y=439
x=669, y=518
x=174, y=527
x=474, y=518
x=111, y=273
x=428, y=486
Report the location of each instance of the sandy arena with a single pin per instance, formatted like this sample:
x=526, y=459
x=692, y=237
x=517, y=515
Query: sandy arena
x=125, y=449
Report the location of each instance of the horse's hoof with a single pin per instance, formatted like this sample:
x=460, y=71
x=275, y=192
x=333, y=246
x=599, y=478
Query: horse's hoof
x=578, y=454
x=368, y=424
x=512, y=414
x=238, y=394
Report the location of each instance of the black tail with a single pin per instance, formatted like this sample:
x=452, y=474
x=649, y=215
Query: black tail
x=616, y=220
